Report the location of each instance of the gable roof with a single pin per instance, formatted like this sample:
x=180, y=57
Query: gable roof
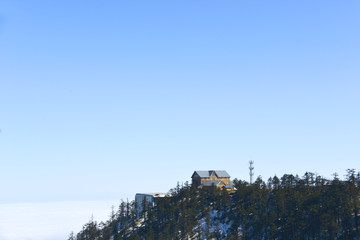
x=222, y=174
x=215, y=183
x=202, y=174
x=206, y=174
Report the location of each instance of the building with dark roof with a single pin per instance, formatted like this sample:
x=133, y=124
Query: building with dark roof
x=218, y=178
x=147, y=198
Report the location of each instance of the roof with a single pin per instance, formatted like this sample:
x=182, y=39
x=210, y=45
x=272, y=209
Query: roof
x=203, y=174
x=210, y=183
x=152, y=194
x=222, y=174
x=206, y=174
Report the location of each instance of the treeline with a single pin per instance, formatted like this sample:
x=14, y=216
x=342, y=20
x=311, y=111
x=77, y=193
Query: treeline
x=290, y=207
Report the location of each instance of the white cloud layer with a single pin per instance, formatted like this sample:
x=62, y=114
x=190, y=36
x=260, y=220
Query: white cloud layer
x=49, y=220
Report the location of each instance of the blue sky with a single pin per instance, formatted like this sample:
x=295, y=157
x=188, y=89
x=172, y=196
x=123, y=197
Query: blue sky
x=102, y=99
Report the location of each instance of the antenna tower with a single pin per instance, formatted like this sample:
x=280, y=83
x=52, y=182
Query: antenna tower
x=251, y=168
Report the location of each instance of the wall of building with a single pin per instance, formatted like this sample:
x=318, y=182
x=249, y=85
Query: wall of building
x=140, y=199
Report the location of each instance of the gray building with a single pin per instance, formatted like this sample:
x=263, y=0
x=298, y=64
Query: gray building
x=148, y=198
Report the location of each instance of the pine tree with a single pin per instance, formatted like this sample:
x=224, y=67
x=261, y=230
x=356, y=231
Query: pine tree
x=72, y=236
x=310, y=207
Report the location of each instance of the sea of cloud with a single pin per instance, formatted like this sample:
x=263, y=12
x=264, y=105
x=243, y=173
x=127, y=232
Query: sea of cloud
x=49, y=220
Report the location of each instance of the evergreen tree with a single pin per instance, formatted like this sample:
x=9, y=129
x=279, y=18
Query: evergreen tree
x=291, y=207
x=72, y=236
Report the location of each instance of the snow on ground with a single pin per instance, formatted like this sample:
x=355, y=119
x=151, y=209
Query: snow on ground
x=215, y=224
x=49, y=220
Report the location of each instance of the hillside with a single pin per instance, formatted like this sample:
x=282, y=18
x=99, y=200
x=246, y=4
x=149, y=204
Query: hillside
x=289, y=207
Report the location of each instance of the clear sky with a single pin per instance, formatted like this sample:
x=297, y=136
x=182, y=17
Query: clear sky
x=102, y=99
